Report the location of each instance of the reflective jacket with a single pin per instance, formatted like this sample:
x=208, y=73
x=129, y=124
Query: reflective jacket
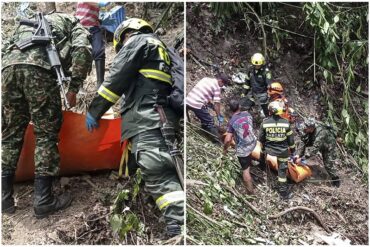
x=258, y=80
x=140, y=71
x=72, y=43
x=276, y=136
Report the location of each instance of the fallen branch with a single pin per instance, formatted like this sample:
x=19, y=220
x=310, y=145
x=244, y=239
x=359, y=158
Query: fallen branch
x=204, y=216
x=302, y=208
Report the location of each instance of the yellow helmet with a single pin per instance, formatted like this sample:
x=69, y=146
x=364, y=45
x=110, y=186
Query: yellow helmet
x=258, y=59
x=275, y=88
x=132, y=23
x=276, y=107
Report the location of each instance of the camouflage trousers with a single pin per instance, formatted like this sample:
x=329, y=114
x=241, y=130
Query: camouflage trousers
x=159, y=174
x=30, y=93
x=330, y=159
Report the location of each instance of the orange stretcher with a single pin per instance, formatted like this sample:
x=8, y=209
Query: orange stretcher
x=80, y=150
x=296, y=172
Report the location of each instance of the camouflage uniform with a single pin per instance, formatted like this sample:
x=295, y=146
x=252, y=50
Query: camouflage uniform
x=321, y=140
x=141, y=71
x=256, y=85
x=30, y=91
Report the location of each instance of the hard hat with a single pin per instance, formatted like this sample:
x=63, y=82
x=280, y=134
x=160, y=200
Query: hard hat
x=258, y=59
x=276, y=107
x=125, y=26
x=275, y=88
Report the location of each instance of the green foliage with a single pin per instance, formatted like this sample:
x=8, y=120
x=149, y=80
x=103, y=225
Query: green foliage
x=122, y=219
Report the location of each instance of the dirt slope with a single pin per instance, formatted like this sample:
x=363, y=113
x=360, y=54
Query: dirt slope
x=215, y=187
x=86, y=221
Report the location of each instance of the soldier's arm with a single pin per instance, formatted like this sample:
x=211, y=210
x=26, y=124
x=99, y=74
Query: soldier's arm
x=81, y=56
x=315, y=149
x=262, y=135
x=125, y=66
x=268, y=77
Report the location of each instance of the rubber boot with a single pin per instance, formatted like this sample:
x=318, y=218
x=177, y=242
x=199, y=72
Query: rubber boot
x=7, y=200
x=265, y=109
x=100, y=70
x=173, y=230
x=215, y=135
x=284, y=191
x=45, y=203
x=335, y=181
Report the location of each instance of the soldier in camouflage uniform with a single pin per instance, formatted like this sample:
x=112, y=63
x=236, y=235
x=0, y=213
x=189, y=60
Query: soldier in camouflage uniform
x=141, y=71
x=30, y=93
x=321, y=139
x=258, y=79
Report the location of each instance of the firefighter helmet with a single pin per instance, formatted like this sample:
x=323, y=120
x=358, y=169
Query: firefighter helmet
x=258, y=59
x=125, y=26
x=275, y=88
x=276, y=107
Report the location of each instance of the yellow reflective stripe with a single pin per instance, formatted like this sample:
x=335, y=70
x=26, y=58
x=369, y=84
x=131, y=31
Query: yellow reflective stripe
x=156, y=74
x=245, y=86
x=282, y=159
x=283, y=180
x=289, y=133
x=155, y=42
x=169, y=198
x=275, y=125
x=293, y=146
x=278, y=139
x=107, y=94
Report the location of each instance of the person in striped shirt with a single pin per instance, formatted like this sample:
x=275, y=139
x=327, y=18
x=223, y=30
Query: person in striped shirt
x=88, y=14
x=206, y=91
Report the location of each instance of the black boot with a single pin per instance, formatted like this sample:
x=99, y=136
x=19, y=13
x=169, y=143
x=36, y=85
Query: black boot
x=173, y=230
x=284, y=191
x=7, y=200
x=100, y=70
x=335, y=181
x=215, y=135
x=45, y=202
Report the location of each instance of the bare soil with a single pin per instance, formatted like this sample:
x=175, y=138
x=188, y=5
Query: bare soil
x=86, y=221
x=343, y=210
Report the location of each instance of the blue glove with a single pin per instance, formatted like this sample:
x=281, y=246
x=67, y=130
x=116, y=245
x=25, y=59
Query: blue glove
x=91, y=123
x=220, y=119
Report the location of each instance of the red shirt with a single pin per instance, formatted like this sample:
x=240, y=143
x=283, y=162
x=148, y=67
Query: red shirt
x=88, y=13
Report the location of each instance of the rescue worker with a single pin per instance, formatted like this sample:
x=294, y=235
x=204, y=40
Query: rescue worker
x=240, y=127
x=88, y=14
x=30, y=93
x=206, y=91
x=278, y=140
x=258, y=79
x=321, y=139
x=141, y=71
x=276, y=93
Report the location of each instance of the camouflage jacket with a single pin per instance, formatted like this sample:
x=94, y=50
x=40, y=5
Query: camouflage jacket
x=321, y=140
x=141, y=72
x=71, y=40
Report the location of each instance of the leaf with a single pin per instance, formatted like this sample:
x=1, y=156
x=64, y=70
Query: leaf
x=326, y=74
x=336, y=19
x=326, y=27
x=358, y=89
x=208, y=207
x=345, y=115
x=116, y=222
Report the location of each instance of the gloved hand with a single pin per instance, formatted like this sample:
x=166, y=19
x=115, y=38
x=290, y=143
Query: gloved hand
x=91, y=123
x=220, y=119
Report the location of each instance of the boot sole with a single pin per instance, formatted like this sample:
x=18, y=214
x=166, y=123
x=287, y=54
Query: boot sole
x=41, y=216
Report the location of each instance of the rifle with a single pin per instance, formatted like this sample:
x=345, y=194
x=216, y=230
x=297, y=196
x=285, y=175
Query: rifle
x=43, y=36
x=168, y=132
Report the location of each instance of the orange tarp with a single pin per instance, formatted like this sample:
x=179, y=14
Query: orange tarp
x=80, y=150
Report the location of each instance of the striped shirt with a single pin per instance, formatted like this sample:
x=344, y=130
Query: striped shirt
x=88, y=13
x=206, y=90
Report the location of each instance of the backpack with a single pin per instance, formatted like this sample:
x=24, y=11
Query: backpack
x=176, y=97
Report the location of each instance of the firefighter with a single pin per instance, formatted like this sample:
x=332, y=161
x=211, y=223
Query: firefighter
x=240, y=127
x=276, y=93
x=321, y=139
x=141, y=71
x=257, y=81
x=278, y=140
x=29, y=92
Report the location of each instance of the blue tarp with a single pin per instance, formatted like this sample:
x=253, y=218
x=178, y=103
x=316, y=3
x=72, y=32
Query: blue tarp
x=112, y=19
